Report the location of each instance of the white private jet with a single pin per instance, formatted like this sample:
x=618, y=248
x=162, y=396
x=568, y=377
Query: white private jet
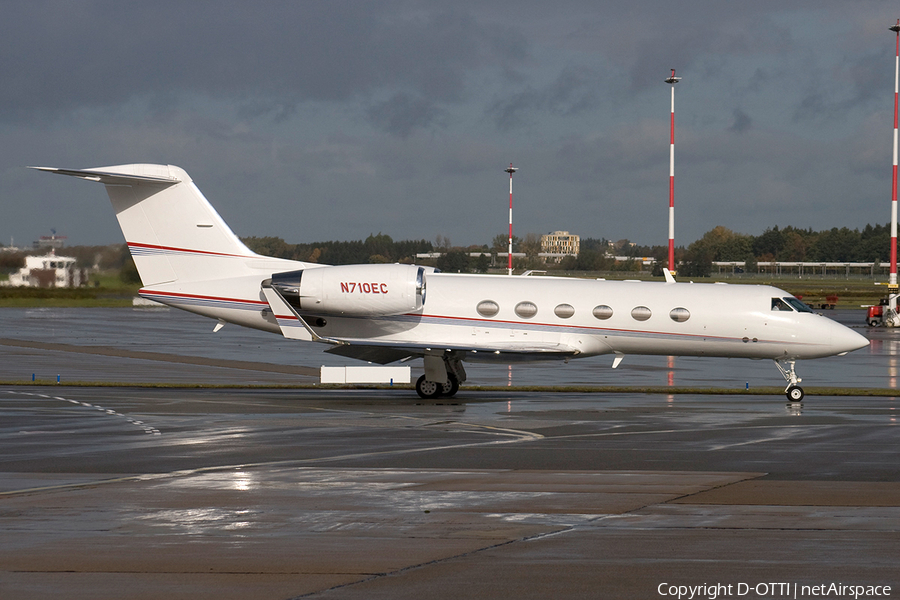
x=188, y=258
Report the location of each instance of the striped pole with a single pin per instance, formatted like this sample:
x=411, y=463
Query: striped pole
x=892, y=282
x=510, y=170
x=672, y=80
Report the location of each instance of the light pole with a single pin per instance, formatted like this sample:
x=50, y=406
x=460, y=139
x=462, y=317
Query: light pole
x=672, y=80
x=510, y=170
x=892, y=282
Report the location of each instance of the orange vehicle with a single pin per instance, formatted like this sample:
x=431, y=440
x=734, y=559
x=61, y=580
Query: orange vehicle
x=875, y=315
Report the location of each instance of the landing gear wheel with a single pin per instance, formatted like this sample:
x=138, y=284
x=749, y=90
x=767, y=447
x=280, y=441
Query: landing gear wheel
x=450, y=388
x=795, y=393
x=428, y=390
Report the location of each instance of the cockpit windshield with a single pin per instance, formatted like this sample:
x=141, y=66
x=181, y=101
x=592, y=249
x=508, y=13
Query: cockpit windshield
x=779, y=304
x=797, y=304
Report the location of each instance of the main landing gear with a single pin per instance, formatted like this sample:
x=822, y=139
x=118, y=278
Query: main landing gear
x=793, y=391
x=431, y=389
x=442, y=377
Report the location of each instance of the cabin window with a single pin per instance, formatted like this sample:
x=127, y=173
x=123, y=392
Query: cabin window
x=564, y=311
x=797, y=304
x=640, y=313
x=526, y=310
x=487, y=308
x=602, y=312
x=779, y=304
x=679, y=315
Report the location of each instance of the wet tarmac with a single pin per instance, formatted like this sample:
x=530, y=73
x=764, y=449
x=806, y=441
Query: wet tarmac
x=130, y=492
x=167, y=345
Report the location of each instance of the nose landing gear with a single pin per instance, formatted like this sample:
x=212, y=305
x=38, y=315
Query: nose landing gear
x=793, y=391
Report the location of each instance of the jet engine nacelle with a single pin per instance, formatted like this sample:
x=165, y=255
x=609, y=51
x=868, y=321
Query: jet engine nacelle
x=354, y=290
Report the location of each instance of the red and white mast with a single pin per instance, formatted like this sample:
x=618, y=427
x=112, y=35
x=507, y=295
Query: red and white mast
x=510, y=170
x=672, y=80
x=892, y=282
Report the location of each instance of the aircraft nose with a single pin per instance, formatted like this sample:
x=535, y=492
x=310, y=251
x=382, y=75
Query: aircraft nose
x=844, y=339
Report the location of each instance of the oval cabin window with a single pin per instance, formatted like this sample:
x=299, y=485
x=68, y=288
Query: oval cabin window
x=602, y=312
x=564, y=311
x=680, y=315
x=487, y=308
x=526, y=310
x=640, y=313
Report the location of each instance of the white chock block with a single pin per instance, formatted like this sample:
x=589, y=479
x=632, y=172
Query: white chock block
x=367, y=374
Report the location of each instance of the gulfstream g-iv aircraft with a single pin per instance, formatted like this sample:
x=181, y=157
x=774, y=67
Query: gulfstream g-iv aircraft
x=188, y=258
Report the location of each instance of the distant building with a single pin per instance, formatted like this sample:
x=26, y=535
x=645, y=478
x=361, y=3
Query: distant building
x=47, y=271
x=559, y=244
x=53, y=241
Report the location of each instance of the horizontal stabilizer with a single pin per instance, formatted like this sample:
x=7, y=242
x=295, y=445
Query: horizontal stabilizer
x=109, y=177
x=172, y=231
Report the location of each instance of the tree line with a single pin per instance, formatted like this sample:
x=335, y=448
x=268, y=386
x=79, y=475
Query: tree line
x=790, y=244
x=374, y=249
x=871, y=244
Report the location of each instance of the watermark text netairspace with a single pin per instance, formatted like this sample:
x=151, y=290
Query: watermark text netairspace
x=797, y=591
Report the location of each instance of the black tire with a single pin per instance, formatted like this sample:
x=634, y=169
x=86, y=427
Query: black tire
x=795, y=393
x=428, y=390
x=450, y=388
x=872, y=323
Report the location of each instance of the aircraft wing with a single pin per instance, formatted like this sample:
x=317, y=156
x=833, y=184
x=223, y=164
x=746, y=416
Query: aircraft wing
x=388, y=352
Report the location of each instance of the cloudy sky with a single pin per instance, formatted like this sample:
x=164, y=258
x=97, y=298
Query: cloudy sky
x=333, y=120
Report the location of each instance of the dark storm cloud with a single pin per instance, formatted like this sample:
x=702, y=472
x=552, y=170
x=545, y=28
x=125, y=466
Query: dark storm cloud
x=742, y=122
x=349, y=118
x=65, y=55
x=646, y=38
x=573, y=91
x=856, y=82
x=402, y=113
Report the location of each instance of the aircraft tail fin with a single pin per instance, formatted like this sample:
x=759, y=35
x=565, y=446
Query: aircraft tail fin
x=172, y=231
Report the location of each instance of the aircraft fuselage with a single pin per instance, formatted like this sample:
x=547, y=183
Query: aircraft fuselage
x=563, y=317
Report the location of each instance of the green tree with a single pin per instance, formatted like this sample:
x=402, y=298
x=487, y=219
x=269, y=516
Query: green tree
x=11, y=261
x=129, y=273
x=772, y=242
x=698, y=259
x=531, y=245
x=454, y=261
x=874, y=243
x=720, y=243
x=381, y=245
x=500, y=243
x=482, y=263
x=568, y=263
x=836, y=245
x=794, y=248
x=269, y=246
x=593, y=260
x=751, y=265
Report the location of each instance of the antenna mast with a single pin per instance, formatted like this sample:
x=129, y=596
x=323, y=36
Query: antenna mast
x=510, y=170
x=892, y=282
x=672, y=80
